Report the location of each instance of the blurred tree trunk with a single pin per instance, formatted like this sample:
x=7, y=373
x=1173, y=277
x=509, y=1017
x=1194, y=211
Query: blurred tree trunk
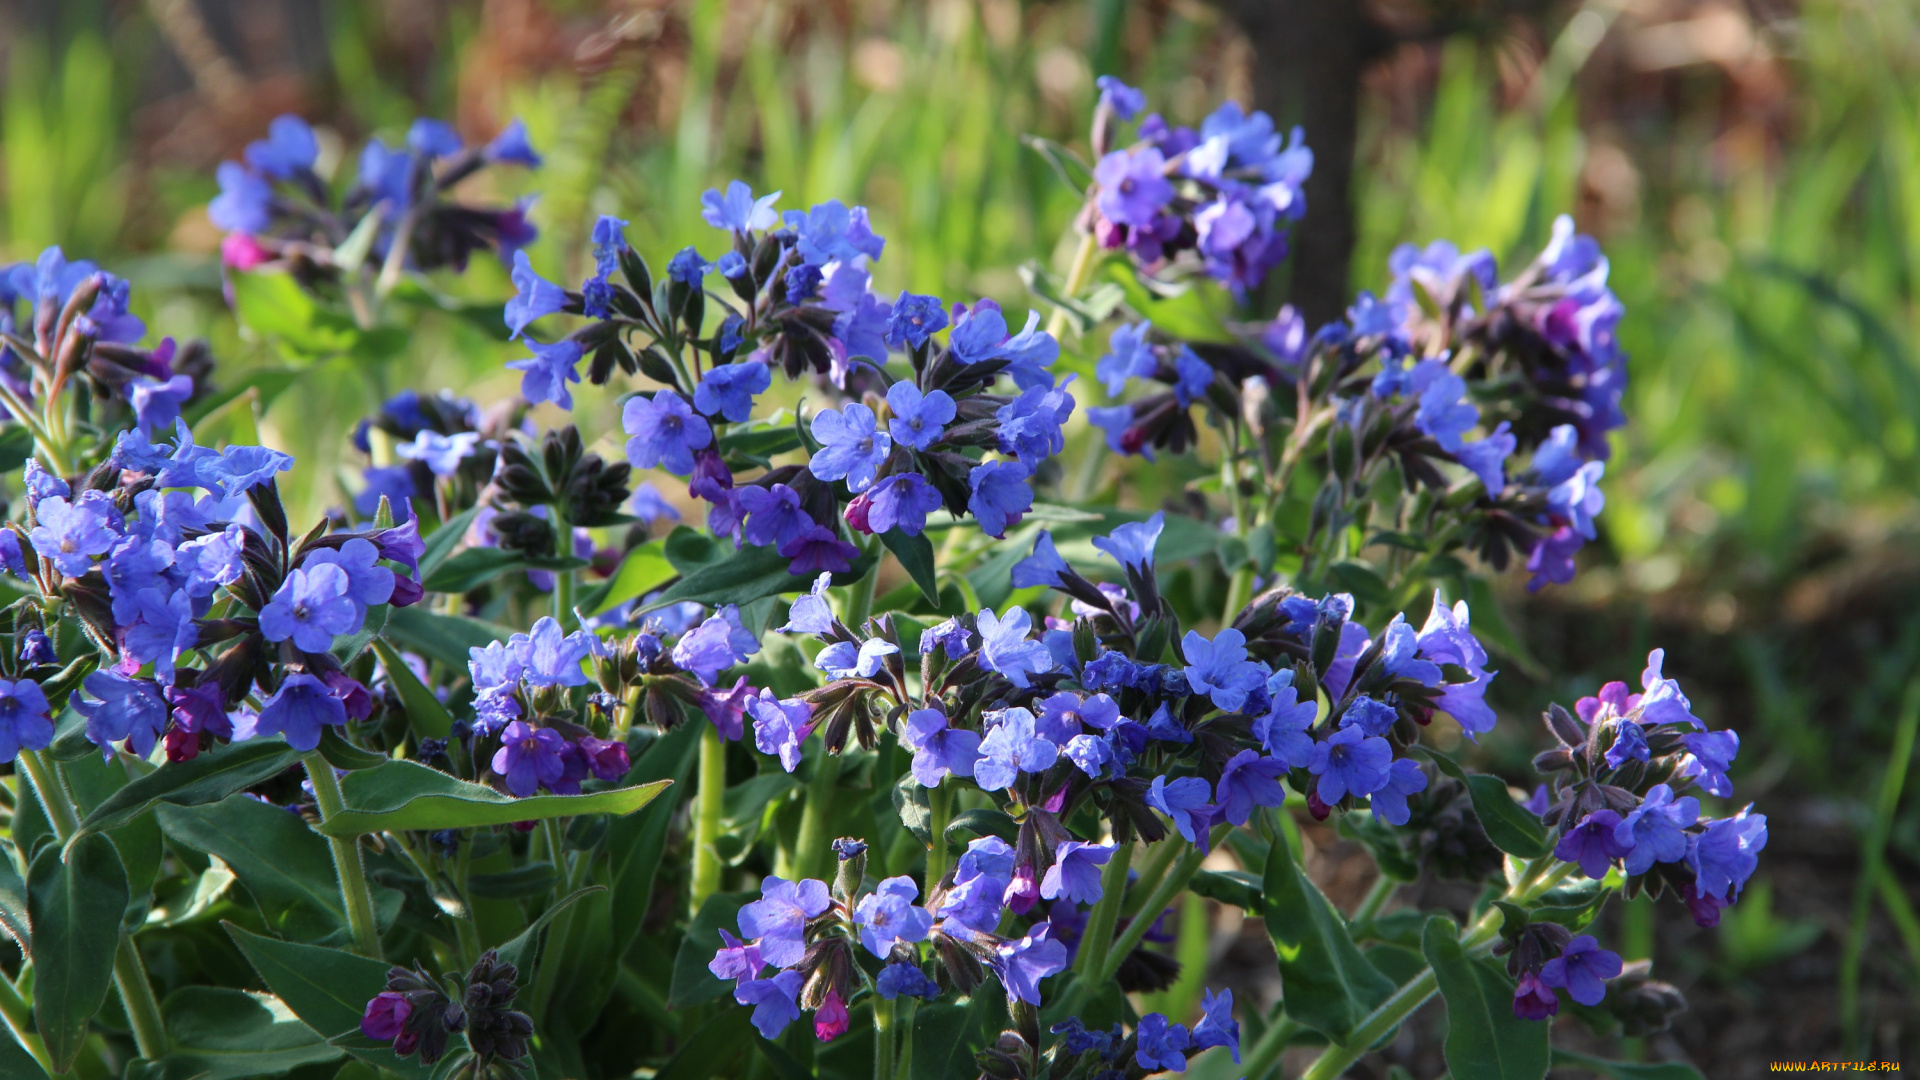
x=1309, y=56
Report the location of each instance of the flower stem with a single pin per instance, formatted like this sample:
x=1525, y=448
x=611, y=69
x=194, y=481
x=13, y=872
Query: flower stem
x=563, y=579
x=1273, y=1042
x=346, y=858
x=1375, y=899
x=18, y=1016
x=883, y=1063
x=706, y=820
x=1098, y=936
x=1083, y=258
x=53, y=794
x=940, y=811
x=810, y=847
x=1177, y=878
x=136, y=993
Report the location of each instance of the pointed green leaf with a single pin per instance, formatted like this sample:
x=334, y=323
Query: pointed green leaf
x=403, y=795
x=74, y=908
x=327, y=989
x=635, y=843
x=221, y=1034
x=692, y=982
x=1484, y=1039
x=748, y=575
x=1327, y=984
x=445, y=638
x=474, y=567
x=440, y=542
x=424, y=710
x=644, y=569
x=916, y=557
x=523, y=951
x=1626, y=1070
x=1513, y=828
x=208, y=778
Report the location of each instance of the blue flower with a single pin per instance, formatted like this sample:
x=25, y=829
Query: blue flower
x=888, y=914
x=394, y=482
x=861, y=326
x=779, y=918
x=915, y=319
x=1006, y=648
x=1217, y=1027
x=738, y=210
x=939, y=751
x=311, y=607
x=1390, y=802
x=775, y=1001
x=950, y=635
x=780, y=727
x=1162, y=1045
x=299, y=710
x=1724, y=856
x=803, y=282
x=1593, y=844
x=1131, y=545
x=905, y=979
x=1122, y=438
x=845, y=660
x=1030, y=424
x=1350, y=761
x=981, y=335
x=852, y=446
x=736, y=959
x=774, y=515
x=162, y=626
x=650, y=506
x=245, y=202
x=717, y=644
x=72, y=533
x=1283, y=730
x=688, y=268
x=1578, y=499
x=731, y=265
x=1220, y=668
x=1075, y=874
x=817, y=549
x=1193, y=377
x=729, y=389
x=810, y=614
x=1662, y=702
x=1630, y=743
x=1582, y=970
x=25, y=720
x=980, y=881
x=546, y=374
x=156, y=404
x=1442, y=414
x=443, y=454
x=550, y=657
x=918, y=419
x=1558, y=458
x=1022, y=964
x=831, y=232
x=1656, y=829
x=1185, y=801
x=1044, y=568
x=665, y=431
x=1000, y=495
x=1248, y=781
x=530, y=758
x=901, y=501
x=289, y=148
x=1487, y=457
x=1128, y=356
x=1089, y=753
x=1709, y=755
x=511, y=147
x=534, y=297
x=1133, y=186
x=1126, y=102
x=1447, y=636
x=433, y=138
x=1012, y=746
x=121, y=707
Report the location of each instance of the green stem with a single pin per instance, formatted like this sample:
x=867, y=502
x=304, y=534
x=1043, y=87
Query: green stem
x=1176, y=879
x=940, y=811
x=1872, y=865
x=1083, y=259
x=563, y=579
x=19, y=1020
x=1375, y=899
x=1150, y=875
x=136, y=993
x=1273, y=1042
x=706, y=821
x=860, y=593
x=883, y=1063
x=53, y=794
x=1098, y=936
x=810, y=847
x=346, y=858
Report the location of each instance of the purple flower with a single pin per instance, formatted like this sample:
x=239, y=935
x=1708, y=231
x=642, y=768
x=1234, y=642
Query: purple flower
x=738, y=210
x=810, y=614
x=901, y=501
x=1390, y=803
x=1185, y=801
x=915, y=319
x=888, y=914
x=1533, y=999
x=156, y=404
x=534, y=297
x=1370, y=716
x=1661, y=701
x=1442, y=413
x=1656, y=829
x=1125, y=101
x=1709, y=755
x=774, y=515
x=830, y=232
x=852, y=446
x=665, y=431
x=729, y=389
x=546, y=374
x=386, y=1014
x=1577, y=500
x=717, y=644
x=529, y=758
x=918, y=419
x=736, y=959
x=845, y=660
x=1582, y=970
x=1220, y=668
x=1075, y=873
x=121, y=708
x=1551, y=560
x=1283, y=730
x=780, y=727
x=1286, y=337
x=72, y=533
x=289, y=148
x=1029, y=425
x=980, y=882
x=1727, y=853
x=1217, y=1027
x=162, y=626
x=1012, y=746
x=950, y=635
x=1133, y=186
x=299, y=709
x=391, y=482
x=1487, y=457
x=1022, y=964
x=1248, y=781
x=1000, y=496
x=368, y=583
x=779, y=918
x=25, y=720
x=818, y=548
x=938, y=750
x=1128, y=356
x=442, y=454
x=311, y=607
x=1162, y=1045
x=1350, y=761
x=245, y=202
x=775, y=1001
x=1594, y=843
x=688, y=268
x=1193, y=377
x=905, y=979
x=1006, y=648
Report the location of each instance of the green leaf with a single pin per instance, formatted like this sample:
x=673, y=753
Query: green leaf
x=1328, y=985
x=221, y=1034
x=13, y=902
x=285, y=866
x=940, y=1050
x=1626, y=1070
x=16, y=446
x=981, y=821
x=1484, y=1038
x=1236, y=887
x=342, y=754
x=708, y=1052
x=916, y=813
x=636, y=843
x=1363, y=581
x=441, y=541
x=274, y=307
x=349, y=648
x=692, y=982
x=16, y=1063
x=428, y=716
x=519, y=883
x=327, y=989
x=445, y=638
x=916, y=557
x=645, y=569
x=403, y=795
x=523, y=951
x=74, y=908
x=748, y=575
x=474, y=567
x=207, y=778
x=1512, y=827
x=689, y=549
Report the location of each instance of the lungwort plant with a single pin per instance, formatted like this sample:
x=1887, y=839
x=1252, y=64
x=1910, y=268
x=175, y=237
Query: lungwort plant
x=503, y=773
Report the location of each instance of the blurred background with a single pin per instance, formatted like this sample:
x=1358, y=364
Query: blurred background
x=1752, y=169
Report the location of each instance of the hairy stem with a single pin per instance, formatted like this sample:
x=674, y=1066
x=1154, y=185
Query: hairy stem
x=810, y=852
x=18, y=1016
x=136, y=993
x=1083, y=259
x=883, y=1063
x=1273, y=1042
x=940, y=807
x=53, y=794
x=707, y=814
x=1098, y=936
x=346, y=858
x=1177, y=878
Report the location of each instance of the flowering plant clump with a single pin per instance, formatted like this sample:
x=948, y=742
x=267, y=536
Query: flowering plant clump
x=646, y=794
